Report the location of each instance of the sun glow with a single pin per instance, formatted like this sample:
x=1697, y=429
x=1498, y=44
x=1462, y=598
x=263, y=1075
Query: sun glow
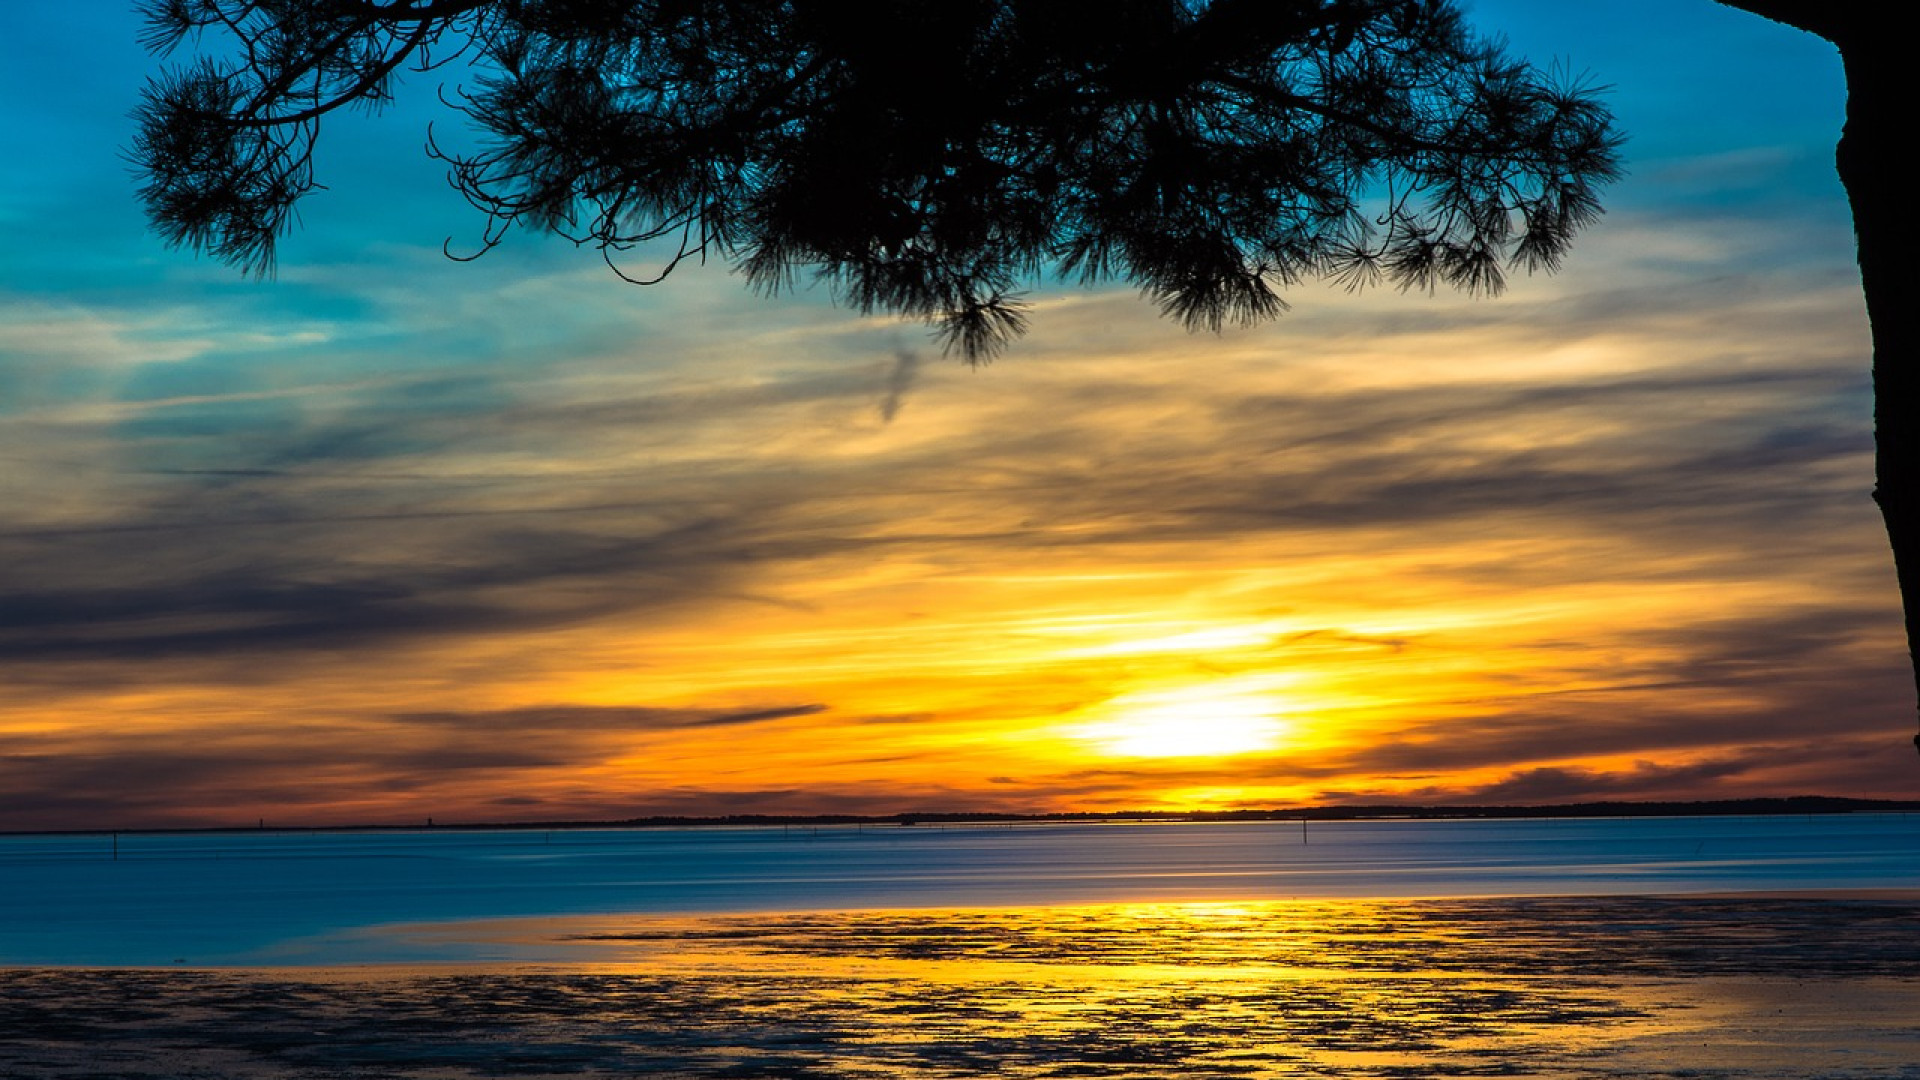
x=1187, y=721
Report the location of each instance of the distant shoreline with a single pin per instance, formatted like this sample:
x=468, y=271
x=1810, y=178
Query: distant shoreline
x=1800, y=804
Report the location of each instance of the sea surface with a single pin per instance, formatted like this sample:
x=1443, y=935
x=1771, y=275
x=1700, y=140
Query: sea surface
x=317, y=898
x=1726, y=948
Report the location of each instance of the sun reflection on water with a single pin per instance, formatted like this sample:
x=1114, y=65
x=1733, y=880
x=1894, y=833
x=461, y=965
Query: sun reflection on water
x=1573, y=988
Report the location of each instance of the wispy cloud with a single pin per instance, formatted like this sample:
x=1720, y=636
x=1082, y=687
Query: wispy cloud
x=390, y=537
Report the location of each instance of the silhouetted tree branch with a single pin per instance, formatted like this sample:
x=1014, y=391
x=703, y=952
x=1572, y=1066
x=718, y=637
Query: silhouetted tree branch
x=925, y=158
x=932, y=158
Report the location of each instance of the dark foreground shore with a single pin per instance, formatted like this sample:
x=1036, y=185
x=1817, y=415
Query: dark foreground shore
x=1780, y=987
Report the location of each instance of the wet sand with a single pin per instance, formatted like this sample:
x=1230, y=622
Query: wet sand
x=1762, y=987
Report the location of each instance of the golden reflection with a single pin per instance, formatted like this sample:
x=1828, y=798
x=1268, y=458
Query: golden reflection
x=1547, y=987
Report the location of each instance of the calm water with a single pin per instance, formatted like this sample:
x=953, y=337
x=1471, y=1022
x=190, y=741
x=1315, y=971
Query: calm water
x=1550, y=988
x=270, y=898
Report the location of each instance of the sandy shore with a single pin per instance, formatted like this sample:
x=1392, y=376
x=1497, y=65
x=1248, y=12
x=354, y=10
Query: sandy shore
x=1777, y=987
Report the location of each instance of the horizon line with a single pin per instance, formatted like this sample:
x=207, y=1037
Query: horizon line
x=1767, y=805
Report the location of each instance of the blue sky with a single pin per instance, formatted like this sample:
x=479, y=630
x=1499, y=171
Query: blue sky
x=512, y=539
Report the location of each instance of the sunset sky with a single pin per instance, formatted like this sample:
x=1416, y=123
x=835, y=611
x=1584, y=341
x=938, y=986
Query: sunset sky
x=390, y=537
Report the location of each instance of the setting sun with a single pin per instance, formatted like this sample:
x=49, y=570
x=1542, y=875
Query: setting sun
x=1187, y=721
x=387, y=537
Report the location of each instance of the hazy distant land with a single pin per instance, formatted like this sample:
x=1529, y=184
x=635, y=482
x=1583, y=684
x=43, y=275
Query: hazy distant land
x=1797, y=804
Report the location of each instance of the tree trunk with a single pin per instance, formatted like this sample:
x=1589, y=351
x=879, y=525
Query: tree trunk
x=1883, y=229
x=1879, y=89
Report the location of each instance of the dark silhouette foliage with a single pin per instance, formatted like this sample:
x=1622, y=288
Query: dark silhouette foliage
x=926, y=158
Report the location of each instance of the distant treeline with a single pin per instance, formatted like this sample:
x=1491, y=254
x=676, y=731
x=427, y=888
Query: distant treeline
x=1802, y=804
x=1799, y=804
